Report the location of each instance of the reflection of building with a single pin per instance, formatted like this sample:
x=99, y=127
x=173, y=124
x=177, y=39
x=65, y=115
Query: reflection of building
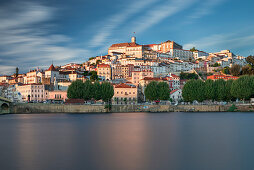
x=125, y=94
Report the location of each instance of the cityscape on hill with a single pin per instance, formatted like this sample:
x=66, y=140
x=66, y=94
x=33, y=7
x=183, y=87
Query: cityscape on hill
x=129, y=67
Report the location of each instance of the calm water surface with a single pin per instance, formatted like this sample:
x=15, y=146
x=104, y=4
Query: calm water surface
x=127, y=141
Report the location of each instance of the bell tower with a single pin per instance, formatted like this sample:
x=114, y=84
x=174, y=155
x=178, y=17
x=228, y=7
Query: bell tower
x=133, y=39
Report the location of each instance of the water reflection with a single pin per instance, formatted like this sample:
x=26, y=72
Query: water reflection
x=142, y=141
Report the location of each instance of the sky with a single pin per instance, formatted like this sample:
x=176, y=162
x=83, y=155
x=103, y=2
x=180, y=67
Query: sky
x=35, y=34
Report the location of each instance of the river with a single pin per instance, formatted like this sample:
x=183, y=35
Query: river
x=127, y=141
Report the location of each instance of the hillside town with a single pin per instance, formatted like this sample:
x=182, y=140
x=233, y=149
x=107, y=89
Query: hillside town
x=129, y=67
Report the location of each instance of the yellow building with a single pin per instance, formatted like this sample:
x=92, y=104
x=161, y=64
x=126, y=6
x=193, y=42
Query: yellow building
x=125, y=94
x=104, y=71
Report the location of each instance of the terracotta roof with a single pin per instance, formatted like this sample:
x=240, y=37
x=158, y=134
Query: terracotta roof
x=122, y=85
x=174, y=91
x=52, y=68
x=125, y=45
x=103, y=65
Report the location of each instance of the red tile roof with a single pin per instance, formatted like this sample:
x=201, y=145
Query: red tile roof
x=103, y=66
x=225, y=77
x=125, y=45
x=174, y=91
x=52, y=68
x=122, y=85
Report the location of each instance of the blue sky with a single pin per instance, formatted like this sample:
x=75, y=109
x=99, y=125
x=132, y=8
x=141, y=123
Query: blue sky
x=35, y=33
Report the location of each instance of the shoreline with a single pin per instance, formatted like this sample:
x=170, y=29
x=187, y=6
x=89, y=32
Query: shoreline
x=30, y=108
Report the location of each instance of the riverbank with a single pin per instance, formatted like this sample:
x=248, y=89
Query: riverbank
x=60, y=108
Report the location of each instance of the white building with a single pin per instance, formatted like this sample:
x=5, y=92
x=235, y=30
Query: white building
x=176, y=95
x=200, y=54
x=32, y=92
x=181, y=54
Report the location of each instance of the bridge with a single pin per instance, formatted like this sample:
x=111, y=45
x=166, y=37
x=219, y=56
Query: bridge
x=4, y=105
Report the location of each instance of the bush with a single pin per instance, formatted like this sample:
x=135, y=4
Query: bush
x=232, y=108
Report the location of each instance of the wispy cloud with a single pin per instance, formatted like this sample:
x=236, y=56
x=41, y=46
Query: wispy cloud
x=206, y=7
x=232, y=41
x=159, y=13
x=112, y=23
x=26, y=38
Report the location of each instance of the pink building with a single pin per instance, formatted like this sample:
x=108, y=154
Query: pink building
x=58, y=95
x=139, y=75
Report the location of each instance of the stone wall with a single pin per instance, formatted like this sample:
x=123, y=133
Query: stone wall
x=58, y=108
x=55, y=108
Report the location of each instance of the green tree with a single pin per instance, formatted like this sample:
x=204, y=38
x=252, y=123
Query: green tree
x=87, y=89
x=243, y=87
x=93, y=75
x=194, y=90
x=97, y=89
x=151, y=91
x=226, y=70
x=247, y=70
x=216, y=65
x=209, y=90
x=193, y=49
x=250, y=60
x=163, y=91
x=107, y=91
x=228, y=85
x=220, y=90
x=235, y=70
x=188, y=76
x=75, y=90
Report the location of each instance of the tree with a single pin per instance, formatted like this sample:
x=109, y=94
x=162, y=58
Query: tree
x=107, y=91
x=250, y=60
x=220, y=90
x=247, y=70
x=226, y=70
x=87, y=90
x=194, y=90
x=216, y=65
x=75, y=90
x=193, y=49
x=86, y=73
x=163, y=91
x=188, y=76
x=97, y=89
x=235, y=70
x=17, y=72
x=228, y=85
x=243, y=87
x=209, y=90
x=93, y=75
x=151, y=91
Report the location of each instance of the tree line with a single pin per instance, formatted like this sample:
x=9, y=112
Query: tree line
x=90, y=91
x=157, y=91
x=219, y=90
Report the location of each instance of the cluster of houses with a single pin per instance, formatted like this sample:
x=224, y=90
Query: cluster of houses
x=128, y=66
